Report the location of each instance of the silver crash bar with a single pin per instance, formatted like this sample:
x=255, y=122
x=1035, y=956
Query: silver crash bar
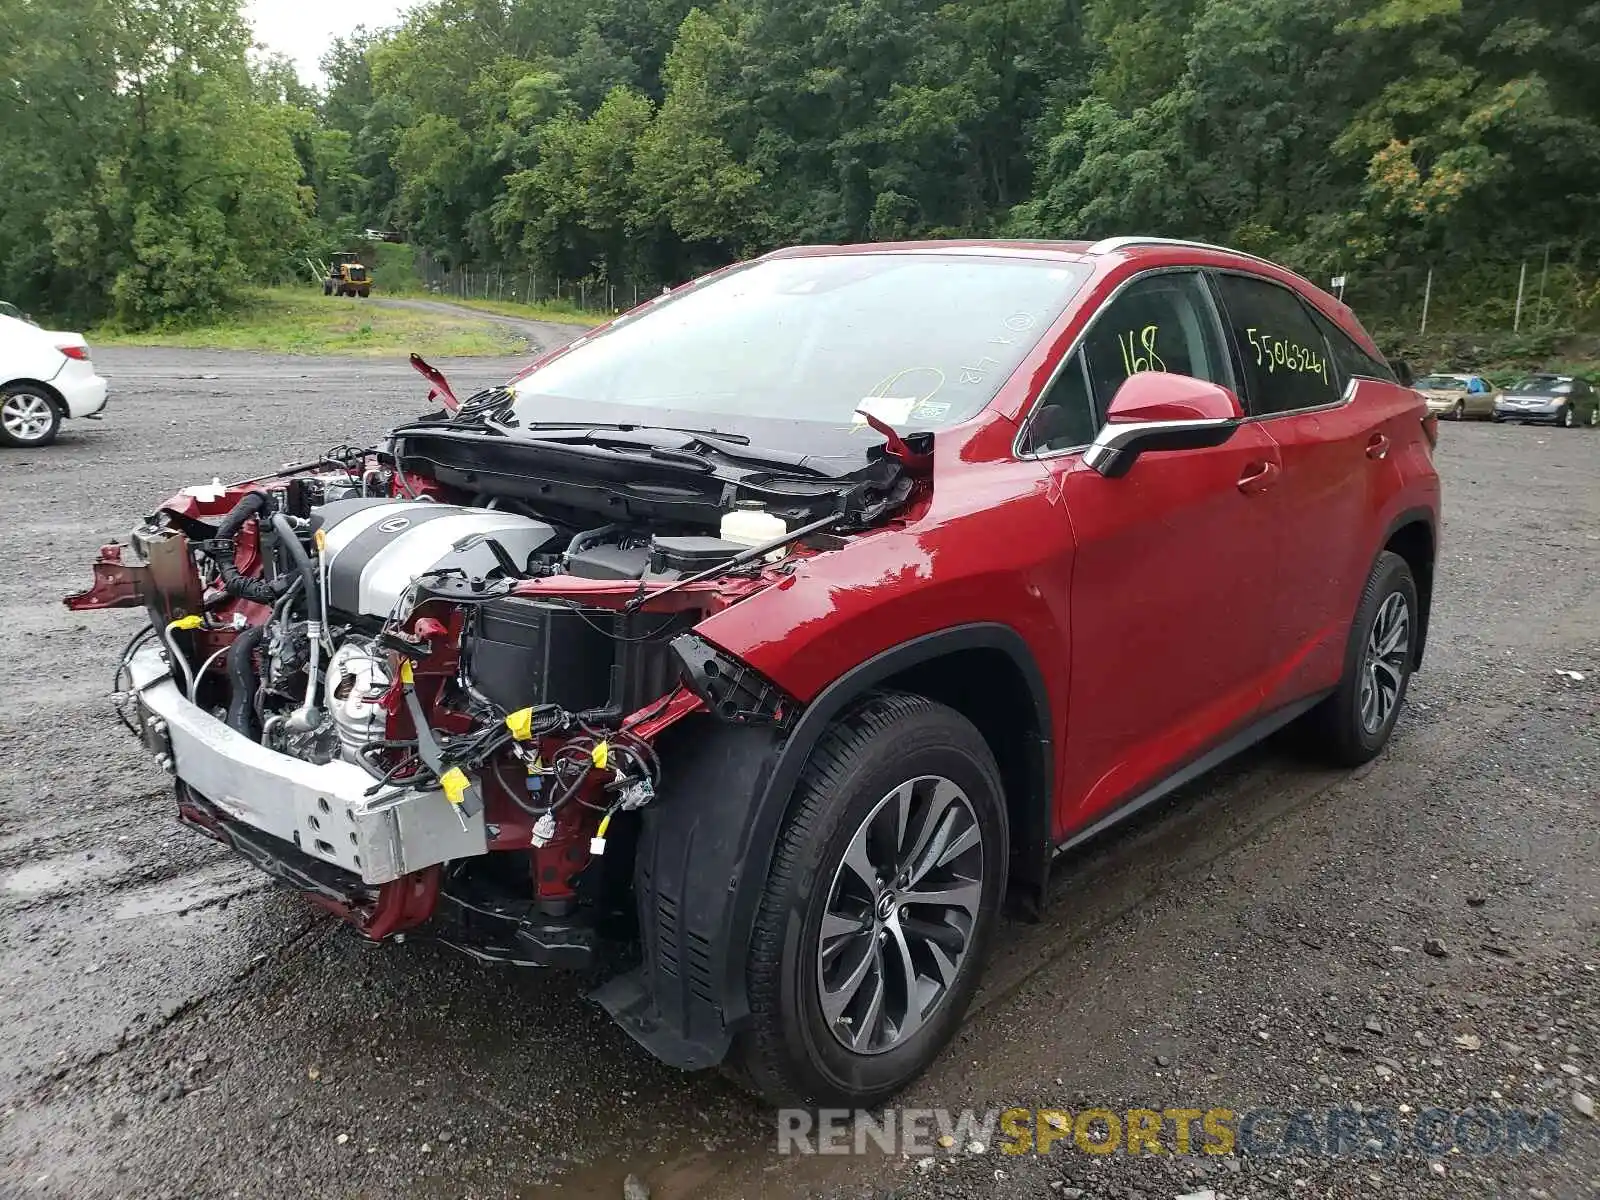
x=323, y=810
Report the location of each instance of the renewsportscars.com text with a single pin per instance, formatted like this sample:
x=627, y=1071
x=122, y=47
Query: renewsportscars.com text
x=1258, y=1132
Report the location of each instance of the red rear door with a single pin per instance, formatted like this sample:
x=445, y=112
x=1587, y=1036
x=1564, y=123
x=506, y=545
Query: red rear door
x=1331, y=430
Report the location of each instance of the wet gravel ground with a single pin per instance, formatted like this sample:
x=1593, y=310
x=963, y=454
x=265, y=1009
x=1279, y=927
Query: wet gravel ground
x=172, y=1026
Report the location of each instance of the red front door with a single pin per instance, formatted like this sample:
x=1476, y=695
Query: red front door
x=1173, y=591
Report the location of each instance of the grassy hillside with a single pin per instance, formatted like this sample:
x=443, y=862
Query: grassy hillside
x=302, y=320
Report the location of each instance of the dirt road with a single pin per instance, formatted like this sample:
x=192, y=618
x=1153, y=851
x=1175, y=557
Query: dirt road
x=169, y=1026
x=540, y=335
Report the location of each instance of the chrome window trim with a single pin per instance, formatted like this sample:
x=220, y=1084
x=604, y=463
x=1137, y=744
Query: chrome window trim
x=1113, y=439
x=1017, y=451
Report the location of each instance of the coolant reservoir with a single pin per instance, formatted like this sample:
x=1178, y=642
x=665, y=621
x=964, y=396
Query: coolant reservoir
x=750, y=524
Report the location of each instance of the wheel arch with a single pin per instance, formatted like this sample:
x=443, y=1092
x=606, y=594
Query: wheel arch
x=39, y=385
x=707, y=843
x=1413, y=535
x=994, y=682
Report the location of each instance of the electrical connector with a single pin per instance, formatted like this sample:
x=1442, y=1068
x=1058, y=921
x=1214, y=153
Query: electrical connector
x=543, y=830
x=455, y=784
x=520, y=723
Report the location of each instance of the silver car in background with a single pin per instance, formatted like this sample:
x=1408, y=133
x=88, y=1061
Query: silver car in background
x=1548, y=399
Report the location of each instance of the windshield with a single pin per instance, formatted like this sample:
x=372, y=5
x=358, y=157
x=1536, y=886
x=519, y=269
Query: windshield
x=1442, y=383
x=920, y=340
x=1538, y=383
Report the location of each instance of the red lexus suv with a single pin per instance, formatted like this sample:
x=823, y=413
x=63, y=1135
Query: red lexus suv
x=760, y=643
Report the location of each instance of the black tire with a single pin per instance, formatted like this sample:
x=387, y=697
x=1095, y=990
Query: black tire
x=1459, y=412
x=1336, y=729
x=1566, y=418
x=327, y=289
x=30, y=417
x=790, y=1054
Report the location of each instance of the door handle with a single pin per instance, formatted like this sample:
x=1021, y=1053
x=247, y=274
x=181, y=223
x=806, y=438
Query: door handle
x=1378, y=447
x=1259, y=477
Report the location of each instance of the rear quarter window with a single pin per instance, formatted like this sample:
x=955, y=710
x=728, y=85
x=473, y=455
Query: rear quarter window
x=1355, y=362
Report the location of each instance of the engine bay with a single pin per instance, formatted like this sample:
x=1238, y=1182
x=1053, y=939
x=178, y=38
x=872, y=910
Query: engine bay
x=473, y=653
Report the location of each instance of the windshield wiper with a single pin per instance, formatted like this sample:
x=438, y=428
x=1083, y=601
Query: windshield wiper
x=733, y=439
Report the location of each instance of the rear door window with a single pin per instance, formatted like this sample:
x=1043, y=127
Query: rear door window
x=1288, y=364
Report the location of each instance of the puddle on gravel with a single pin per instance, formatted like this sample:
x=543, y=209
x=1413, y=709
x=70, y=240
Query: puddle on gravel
x=681, y=1178
x=176, y=897
x=53, y=876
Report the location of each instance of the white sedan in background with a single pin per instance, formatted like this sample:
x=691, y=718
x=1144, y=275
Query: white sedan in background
x=45, y=377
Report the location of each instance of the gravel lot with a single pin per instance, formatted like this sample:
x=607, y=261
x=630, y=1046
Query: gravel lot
x=172, y=1026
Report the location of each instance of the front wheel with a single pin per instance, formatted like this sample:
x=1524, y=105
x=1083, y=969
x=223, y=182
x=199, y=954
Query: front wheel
x=1566, y=418
x=1352, y=725
x=28, y=417
x=1459, y=412
x=879, y=909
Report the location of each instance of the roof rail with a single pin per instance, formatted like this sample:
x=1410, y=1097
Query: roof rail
x=1110, y=245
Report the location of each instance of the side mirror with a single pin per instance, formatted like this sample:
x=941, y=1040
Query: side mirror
x=1402, y=371
x=1154, y=410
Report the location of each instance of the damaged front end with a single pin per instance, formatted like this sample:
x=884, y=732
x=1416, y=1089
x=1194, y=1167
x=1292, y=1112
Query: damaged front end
x=427, y=685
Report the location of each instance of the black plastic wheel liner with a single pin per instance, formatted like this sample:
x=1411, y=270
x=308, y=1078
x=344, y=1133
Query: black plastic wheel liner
x=685, y=1000
x=706, y=844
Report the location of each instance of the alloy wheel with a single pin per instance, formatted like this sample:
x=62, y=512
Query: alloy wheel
x=1384, y=664
x=26, y=417
x=900, y=915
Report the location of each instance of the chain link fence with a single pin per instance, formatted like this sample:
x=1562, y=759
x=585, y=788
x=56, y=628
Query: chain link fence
x=1540, y=291
x=527, y=286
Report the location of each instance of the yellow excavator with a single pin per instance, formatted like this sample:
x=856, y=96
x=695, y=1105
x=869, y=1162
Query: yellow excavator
x=347, y=276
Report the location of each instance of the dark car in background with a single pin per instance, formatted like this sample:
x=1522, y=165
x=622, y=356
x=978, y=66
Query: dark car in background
x=1562, y=400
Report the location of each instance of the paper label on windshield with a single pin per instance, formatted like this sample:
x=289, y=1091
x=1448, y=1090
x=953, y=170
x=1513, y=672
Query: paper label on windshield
x=892, y=410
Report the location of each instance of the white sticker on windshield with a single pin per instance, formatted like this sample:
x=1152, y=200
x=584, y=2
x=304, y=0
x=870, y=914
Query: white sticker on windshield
x=891, y=409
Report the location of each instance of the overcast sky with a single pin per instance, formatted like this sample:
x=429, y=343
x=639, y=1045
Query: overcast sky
x=302, y=28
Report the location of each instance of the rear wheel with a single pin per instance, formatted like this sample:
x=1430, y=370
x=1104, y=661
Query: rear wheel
x=28, y=416
x=879, y=909
x=1351, y=726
